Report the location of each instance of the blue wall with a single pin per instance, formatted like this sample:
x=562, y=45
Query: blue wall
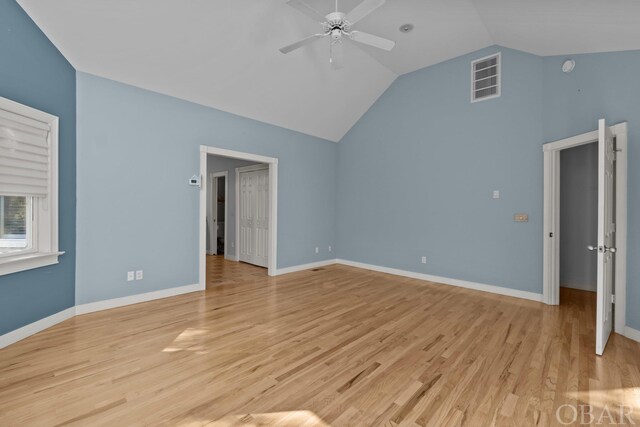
x=34, y=73
x=414, y=177
x=417, y=171
x=136, y=151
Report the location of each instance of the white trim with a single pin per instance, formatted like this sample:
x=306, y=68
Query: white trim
x=447, y=281
x=302, y=267
x=273, y=206
x=222, y=152
x=45, y=220
x=135, y=299
x=574, y=141
x=29, y=261
x=499, y=75
x=632, y=334
x=42, y=324
x=236, y=238
x=35, y=327
x=251, y=168
x=202, y=228
x=230, y=257
x=24, y=110
x=620, y=315
x=551, y=219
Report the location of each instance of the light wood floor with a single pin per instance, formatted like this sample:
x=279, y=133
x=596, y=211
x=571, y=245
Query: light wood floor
x=333, y=346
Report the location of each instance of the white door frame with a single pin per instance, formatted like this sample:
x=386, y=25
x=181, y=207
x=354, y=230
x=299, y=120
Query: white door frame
x=212, y=176
x=205, y=150
x=551, y=229
x=238, y=172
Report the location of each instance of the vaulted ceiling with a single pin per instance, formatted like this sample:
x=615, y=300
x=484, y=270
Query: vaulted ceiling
x=224, y=53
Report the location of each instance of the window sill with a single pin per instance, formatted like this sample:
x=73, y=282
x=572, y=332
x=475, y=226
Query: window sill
x=25, y=262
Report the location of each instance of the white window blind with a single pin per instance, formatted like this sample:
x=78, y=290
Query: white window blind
x=24, y=156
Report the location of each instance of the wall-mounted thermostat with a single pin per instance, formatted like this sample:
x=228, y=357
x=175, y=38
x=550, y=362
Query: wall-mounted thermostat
x=195, y=181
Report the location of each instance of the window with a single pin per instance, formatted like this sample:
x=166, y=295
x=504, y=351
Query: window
x=13, y=224
x=28, y=188
x=485, y=78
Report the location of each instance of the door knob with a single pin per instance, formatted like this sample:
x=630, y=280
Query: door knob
x=601, y=249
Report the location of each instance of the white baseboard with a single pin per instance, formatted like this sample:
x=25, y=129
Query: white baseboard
x=135, y=299
x=631, y=333
x=42, y=324
x=230, y=257
x=301, y=267
x=447, y=281
x=35, y=327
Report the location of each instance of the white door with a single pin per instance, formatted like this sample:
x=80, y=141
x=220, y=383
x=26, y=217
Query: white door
x=254, y=217
x=606, y=235
x=245, y=218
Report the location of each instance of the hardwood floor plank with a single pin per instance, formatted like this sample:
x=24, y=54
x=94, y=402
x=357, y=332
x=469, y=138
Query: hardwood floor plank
x=331, y=346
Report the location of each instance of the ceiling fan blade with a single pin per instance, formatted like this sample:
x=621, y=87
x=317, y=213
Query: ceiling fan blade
x=371, y=40
x=363, y=9
x=337, y=55
x=301, y=43
x=306, y=9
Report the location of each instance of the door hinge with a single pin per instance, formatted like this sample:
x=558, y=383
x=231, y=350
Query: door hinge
x=613, y=299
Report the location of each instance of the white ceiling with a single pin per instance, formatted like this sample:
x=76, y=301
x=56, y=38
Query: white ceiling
x=224, y=53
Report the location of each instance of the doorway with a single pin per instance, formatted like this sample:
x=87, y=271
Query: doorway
x=270, y=167
x=579, y=217
x=217, y=213
x=610, y=248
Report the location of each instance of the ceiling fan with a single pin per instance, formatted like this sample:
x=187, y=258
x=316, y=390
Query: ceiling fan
x=337, y=26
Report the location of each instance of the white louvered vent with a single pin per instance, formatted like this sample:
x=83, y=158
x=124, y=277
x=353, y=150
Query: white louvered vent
x=485, y=78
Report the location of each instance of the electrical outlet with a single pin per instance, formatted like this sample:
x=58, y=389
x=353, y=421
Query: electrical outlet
x=329, y=248
x=139, y=275
x=130, y=276
x=424, y=260
x=496, y=194
x=317, y=250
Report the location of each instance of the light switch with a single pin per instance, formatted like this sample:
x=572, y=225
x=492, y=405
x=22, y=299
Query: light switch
x=521, y=217
x=496, y=194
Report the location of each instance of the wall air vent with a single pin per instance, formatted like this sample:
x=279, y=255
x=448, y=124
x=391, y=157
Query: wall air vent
x=485, y=78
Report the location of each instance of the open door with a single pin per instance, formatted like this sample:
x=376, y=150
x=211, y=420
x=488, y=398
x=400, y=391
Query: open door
x=606, y=235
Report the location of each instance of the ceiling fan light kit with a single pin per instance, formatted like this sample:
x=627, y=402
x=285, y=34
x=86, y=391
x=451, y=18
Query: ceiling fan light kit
x=337, y=26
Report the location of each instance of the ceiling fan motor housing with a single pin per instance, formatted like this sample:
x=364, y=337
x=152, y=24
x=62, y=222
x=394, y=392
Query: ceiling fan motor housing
x=336, y=24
